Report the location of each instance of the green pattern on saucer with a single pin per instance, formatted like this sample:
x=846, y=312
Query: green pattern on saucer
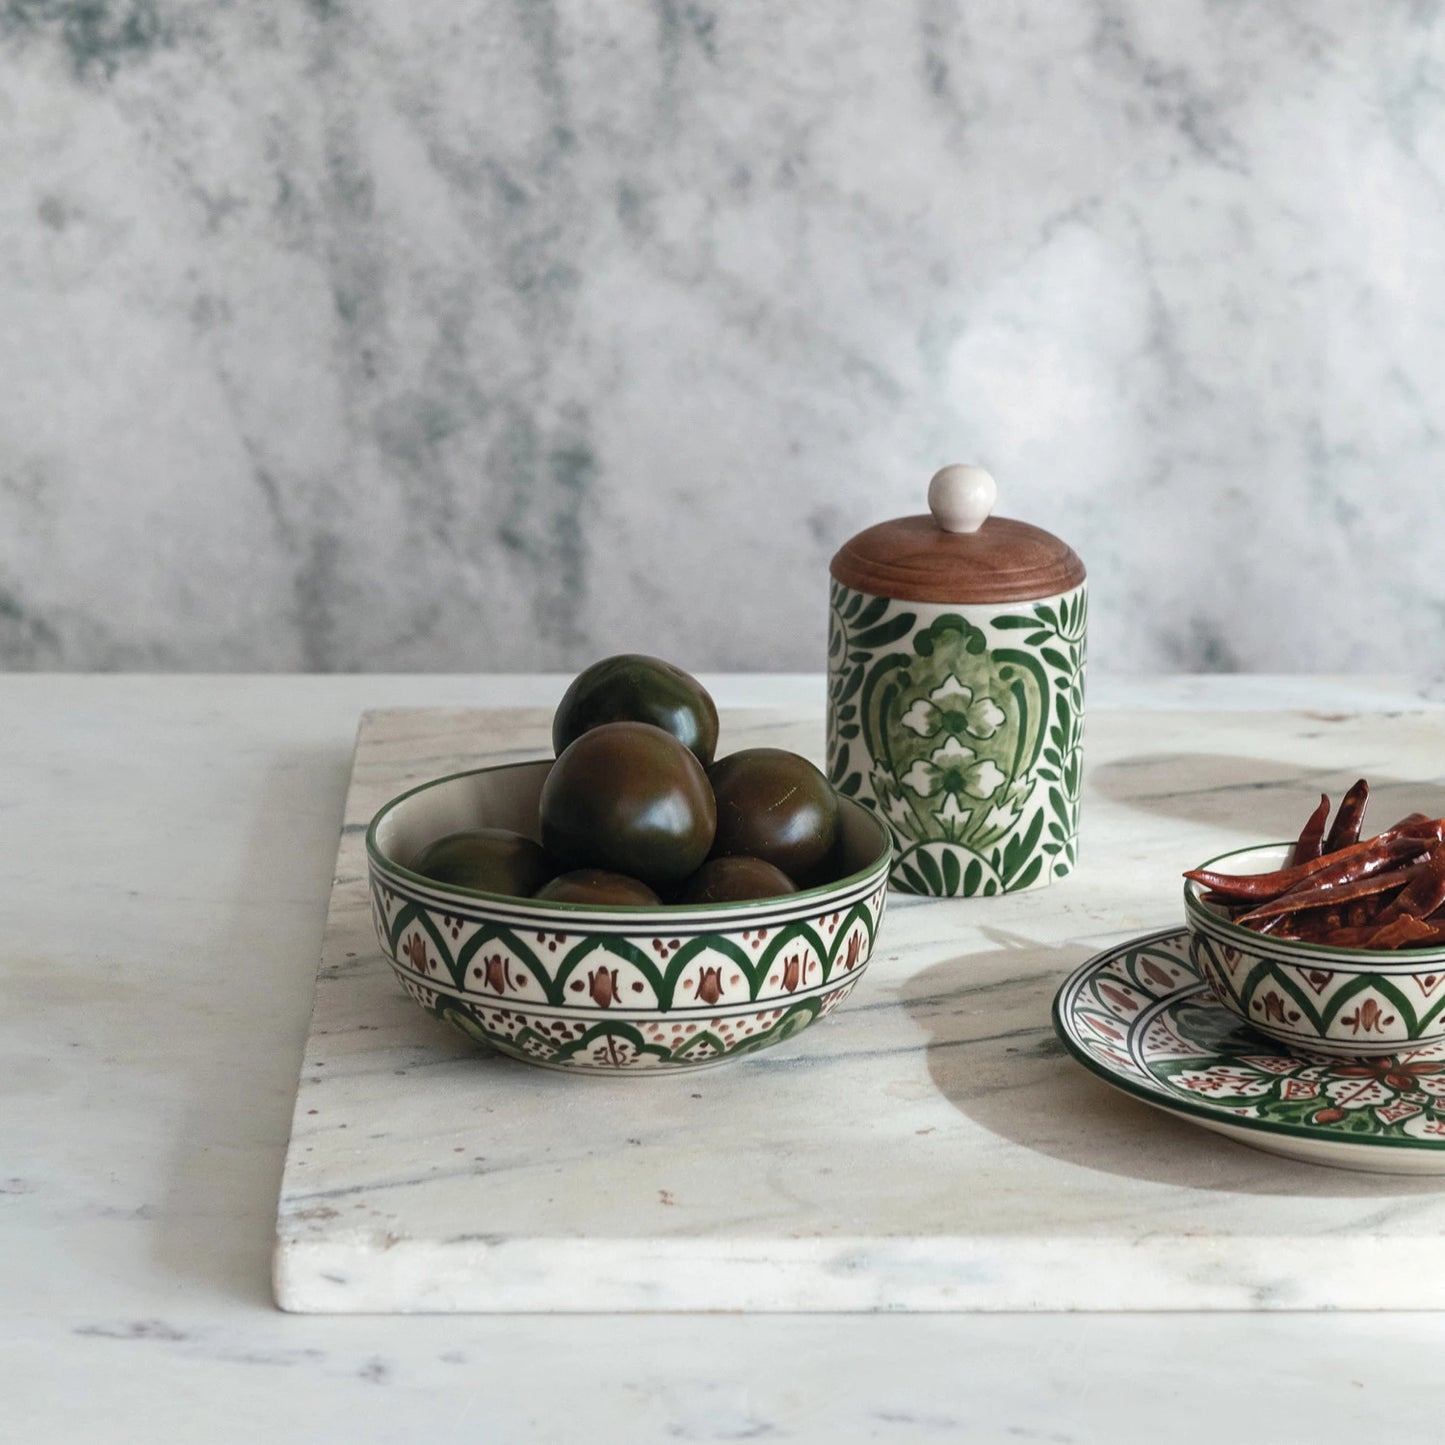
x=1141, y=1017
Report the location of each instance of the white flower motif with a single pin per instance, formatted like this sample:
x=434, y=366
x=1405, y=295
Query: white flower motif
x=1001, y=819
x=892, y=804
x=922, y=778
x=953, y=769
x=921, y=718
x=897, y=812
x=953, y=816
x=951, y=705
x=952, y=686
x=984, y=780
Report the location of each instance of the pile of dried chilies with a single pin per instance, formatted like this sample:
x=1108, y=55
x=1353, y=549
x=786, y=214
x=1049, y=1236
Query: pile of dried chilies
x=1384, y=892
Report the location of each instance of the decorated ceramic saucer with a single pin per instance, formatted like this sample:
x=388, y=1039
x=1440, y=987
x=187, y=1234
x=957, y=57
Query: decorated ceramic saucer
x=1140, y=1017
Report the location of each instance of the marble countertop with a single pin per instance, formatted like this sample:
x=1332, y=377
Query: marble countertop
x=166, y=864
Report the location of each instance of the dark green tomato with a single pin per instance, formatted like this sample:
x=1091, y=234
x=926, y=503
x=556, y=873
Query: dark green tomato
x=596, y=885
x=494, y=860
x=629, y=798
x=633, y=688
x=778, y=807
x=735, y=879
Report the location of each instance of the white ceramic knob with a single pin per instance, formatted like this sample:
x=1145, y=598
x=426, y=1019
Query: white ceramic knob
x=961, y=497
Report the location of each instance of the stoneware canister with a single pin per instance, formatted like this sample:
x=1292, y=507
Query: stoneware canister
x=956, y=691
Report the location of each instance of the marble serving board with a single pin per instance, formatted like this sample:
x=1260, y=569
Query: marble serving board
x=928, y=1147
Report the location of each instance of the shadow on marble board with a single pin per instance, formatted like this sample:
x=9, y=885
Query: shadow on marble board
x=992, y=1053
x=1269, y=797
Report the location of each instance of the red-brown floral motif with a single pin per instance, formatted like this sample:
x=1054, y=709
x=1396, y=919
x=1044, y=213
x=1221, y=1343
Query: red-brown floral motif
x=1272, y=1005
x=709, y=985
x=1368, y=1017
x=1156, y=975
x=415, y=950
x=1401, y=1074
x=602, y=985
x=1118, y=997
x=792, y=970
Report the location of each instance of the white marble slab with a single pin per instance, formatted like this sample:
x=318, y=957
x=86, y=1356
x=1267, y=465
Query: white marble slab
x=927, y=1148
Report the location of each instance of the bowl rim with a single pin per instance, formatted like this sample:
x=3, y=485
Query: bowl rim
x=883, y=861
x=1383, y=960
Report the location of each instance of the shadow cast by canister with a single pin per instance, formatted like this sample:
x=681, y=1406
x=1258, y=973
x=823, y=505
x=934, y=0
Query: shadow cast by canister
x=1269, y=797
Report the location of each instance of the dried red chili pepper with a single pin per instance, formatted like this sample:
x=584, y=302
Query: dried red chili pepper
x=1404, y=932
x=1311, y=839
x=1386, y=892
x=1356, y=861
x=1362, y=911
x=1324, y=895
x=1425, y=894
x=1346, y=827
x=1417, y=825
x=1316, y=925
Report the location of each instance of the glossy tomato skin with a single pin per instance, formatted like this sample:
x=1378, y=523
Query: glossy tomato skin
x=630, y=798
x=595, y=885
x=735, y=879
x=633, y=688
x=492, y=860
x=776, y=806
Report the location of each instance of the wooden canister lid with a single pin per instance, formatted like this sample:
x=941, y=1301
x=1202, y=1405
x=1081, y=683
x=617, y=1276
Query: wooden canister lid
x=958, y=553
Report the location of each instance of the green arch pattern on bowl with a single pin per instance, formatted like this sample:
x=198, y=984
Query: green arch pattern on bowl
x=1311, y=995
x=395, y=923
x=546, y=995
x=1303, y=1005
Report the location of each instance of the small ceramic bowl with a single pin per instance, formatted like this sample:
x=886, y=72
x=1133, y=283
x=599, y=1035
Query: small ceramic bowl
x=1344, y=1002
x=607, y=990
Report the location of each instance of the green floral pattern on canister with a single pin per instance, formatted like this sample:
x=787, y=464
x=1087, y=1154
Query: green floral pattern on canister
x=962, y=727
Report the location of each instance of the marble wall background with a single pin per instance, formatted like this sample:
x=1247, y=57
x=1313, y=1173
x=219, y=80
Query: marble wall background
x=502, y=334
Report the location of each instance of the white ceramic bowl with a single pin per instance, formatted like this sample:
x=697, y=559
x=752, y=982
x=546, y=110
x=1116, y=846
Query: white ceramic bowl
x=1344, y=1002
x=612, y=990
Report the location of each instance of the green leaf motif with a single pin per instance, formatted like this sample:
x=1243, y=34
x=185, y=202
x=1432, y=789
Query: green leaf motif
x=952, y=873
x=931, y=875
x=1030, y=873
x=885, y=632
x=871, y=613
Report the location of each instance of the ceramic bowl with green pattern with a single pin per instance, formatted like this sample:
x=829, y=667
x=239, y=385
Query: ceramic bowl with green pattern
x=608, y=990
x=1342, y=1002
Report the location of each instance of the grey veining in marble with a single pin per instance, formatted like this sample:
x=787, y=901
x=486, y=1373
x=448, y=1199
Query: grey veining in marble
x=928, y=1147
x=356, y=334
x=149, y=1043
